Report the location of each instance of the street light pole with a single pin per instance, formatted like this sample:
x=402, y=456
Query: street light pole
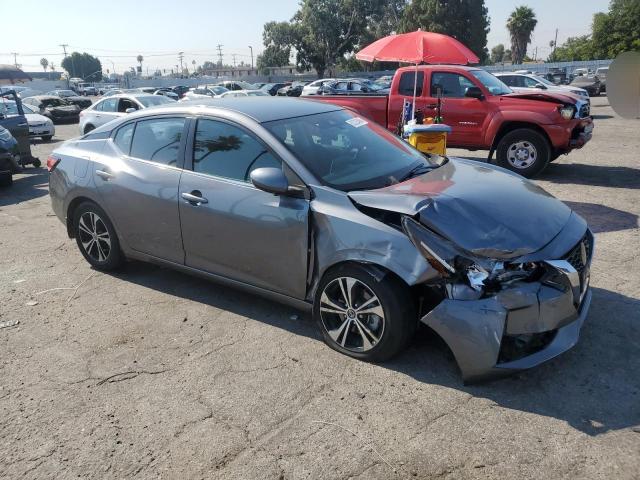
x=251, y=48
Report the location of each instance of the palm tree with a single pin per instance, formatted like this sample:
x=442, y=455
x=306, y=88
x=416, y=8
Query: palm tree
x=45, y=63
x=520, y=24
x=140, y=59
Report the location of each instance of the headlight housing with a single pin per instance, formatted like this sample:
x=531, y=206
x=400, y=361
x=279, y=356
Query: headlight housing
x=567, y=112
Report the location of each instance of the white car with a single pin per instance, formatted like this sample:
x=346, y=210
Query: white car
x=313, y=87
x=204, y=91
x=39, y=125
x=524, y=83
x=116, y=106
x=245, y=93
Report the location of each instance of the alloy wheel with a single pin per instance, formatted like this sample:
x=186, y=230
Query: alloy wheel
x=522, y=154
x=94, y=236
x=352, y=314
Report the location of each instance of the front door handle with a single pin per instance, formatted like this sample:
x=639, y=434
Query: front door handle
x=194, y=198
x=105, y=175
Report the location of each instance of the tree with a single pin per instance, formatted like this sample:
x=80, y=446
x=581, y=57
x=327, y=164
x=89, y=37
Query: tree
x=617, y=30
x=83, y=65
x=465, y=20
x=272, y=56
x=575, y=48
x=497, y=53
x=521, y=24
x=45, y=63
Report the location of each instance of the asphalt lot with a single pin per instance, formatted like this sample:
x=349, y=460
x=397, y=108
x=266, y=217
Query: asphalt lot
x=154, y=374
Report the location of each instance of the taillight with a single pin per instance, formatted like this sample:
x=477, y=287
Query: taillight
x=52, y=163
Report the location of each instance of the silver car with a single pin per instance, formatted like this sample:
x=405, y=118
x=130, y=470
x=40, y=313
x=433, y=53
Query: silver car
x=310, y=204
x=116, y=106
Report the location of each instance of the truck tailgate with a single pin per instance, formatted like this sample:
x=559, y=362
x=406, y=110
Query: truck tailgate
x=373, y=107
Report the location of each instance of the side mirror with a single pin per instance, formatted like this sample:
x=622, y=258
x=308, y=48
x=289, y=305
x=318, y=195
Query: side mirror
x=270, y=180
x=130, y=110
x=474, y=92
x=540, y=86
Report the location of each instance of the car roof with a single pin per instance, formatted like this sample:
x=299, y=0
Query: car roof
x=261, y=109
x=132, y=95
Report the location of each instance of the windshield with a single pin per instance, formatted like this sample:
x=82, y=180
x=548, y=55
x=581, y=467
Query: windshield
x=246, y=86
x=152, y=101
x=491, y=83
x=545, y=81
x=218, y=90
x=347, y=152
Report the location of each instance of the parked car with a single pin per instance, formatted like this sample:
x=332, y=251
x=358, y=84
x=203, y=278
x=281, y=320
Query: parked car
x=17, y=125
x=8, y=157
x=245, y=93
x=353, y=86
x=236, y=85
x=531, y=83
x=272, y=88
x=167, y=92
x=39, y=125
x=259, y=85
x=55, y=108
x=601, y=73
x=313, y=87
x=525, y=130
x=149, y=90
x=557, y=76
x=180, y=90
x=582, y=72
x=205, y=91
x=589, y=83
x=71, y=97
x=293, y=90
x=102, y=89
x=86, y=89
x=117, y=106
x=315, y=206
x=385, y=81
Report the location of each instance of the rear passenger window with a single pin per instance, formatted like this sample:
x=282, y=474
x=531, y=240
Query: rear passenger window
x=109, y=105
x=224, y=150
x=158, y=140
x=123, y=138
x=407, y=79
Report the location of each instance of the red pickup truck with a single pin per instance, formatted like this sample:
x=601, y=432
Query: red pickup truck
x=525, y=130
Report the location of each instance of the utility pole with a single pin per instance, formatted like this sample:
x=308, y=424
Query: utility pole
x=251, y=48
x=181, y=56
x=219, y=47
x=15, y=58
x=64, y=47
x=234, y=59
x=555, y=42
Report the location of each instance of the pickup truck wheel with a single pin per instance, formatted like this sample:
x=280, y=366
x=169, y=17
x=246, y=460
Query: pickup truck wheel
x=524, y=151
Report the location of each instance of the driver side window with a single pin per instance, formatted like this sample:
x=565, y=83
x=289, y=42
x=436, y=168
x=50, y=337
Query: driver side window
x=125, y=103
x=224, y=150
x=452, y=85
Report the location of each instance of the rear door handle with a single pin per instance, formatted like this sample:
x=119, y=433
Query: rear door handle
x=194, y=198
x=105, y=175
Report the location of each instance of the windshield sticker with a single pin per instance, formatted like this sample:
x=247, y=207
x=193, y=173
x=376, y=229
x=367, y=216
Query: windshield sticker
x=357, y=122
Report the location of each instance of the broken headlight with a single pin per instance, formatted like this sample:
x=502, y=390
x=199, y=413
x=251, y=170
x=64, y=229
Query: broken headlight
x=466, y=276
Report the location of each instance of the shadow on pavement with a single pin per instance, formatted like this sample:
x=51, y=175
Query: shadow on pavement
x=30, y=183
x=604, y=219
x=595, y=175
x=594, y=387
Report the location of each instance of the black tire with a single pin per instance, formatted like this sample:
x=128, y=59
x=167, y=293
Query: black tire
x=36, y=163
x=47, y=138
x=113, y=258
x=398, y=323
x=88, y=128
x=530, y=139
x=6, y=179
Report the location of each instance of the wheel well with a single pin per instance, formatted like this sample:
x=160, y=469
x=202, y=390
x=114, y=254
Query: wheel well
x=511, y=126
x=70, y=212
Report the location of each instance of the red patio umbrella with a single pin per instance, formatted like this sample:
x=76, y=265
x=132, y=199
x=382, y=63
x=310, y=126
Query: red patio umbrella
x=418, y=47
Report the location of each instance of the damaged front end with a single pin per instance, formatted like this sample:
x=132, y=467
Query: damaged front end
x=508, y=312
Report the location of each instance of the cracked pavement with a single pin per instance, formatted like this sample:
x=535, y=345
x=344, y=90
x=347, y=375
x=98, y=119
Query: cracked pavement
x=150, y=373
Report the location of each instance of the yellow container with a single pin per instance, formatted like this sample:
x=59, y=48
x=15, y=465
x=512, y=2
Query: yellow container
x=428, y=142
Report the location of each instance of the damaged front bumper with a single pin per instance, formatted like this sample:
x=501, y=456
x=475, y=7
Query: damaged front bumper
x=518, y=328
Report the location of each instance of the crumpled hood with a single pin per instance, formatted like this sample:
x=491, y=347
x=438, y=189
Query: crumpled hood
x=483, y=209
x=555, y=97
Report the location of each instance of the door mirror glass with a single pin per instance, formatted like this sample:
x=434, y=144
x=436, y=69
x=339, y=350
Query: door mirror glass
x=130, y=110
x=269, y=179
x=474, y=92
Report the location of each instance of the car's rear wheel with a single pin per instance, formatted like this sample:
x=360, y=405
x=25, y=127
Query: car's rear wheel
x=524, y=151
x=47, y=138
x=96, y=237
x=362, y=315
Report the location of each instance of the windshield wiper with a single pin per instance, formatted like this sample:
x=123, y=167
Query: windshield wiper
x=417, y=170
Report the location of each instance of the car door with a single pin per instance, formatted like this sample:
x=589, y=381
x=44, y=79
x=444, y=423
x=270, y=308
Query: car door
x=465, y=115
x=138, y=177
x=105, y=111
x=16, y=124
x=229, y=227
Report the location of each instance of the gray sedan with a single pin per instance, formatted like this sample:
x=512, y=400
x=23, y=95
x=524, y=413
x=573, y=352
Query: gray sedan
x=312, y=205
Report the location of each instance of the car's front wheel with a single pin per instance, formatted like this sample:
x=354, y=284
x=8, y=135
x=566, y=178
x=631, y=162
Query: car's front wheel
x=96, y=237
x=364, y=314
x=524, y=151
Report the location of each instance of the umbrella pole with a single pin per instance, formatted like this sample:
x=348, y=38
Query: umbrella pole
x=415, y=89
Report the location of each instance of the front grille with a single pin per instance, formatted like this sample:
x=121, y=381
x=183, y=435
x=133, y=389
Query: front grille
x=580, y=255
x=585, y=110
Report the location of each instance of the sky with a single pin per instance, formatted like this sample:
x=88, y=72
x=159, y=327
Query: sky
x=119, y=30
